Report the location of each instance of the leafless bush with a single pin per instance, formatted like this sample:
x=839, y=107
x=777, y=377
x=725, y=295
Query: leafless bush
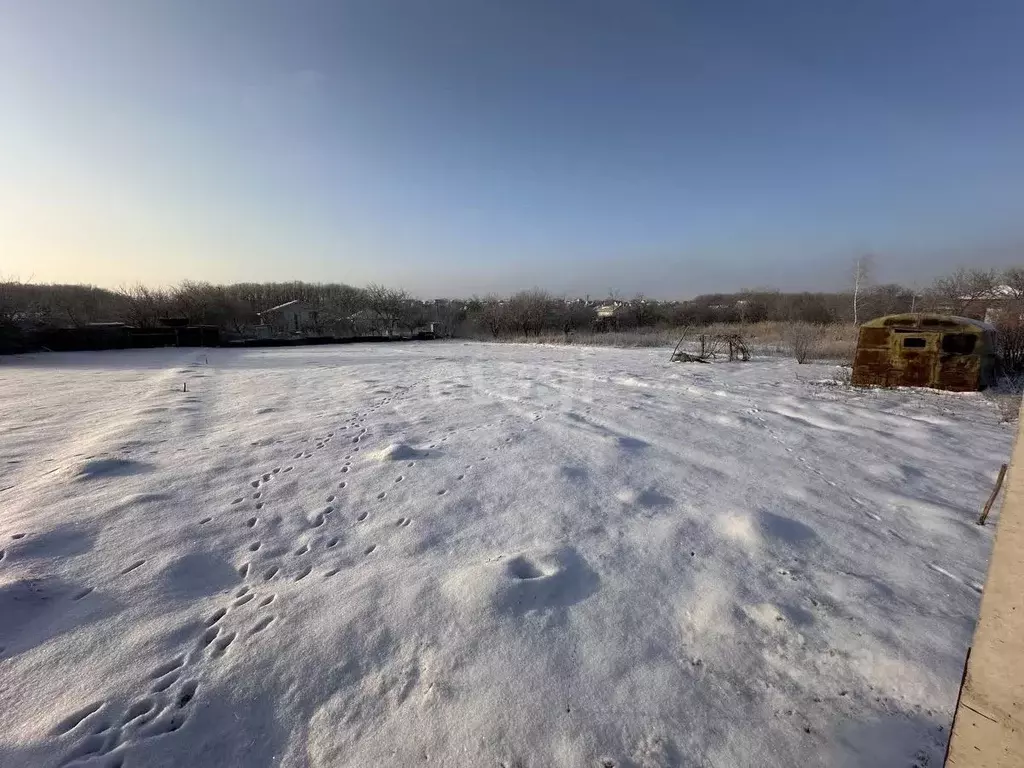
x=1006, y=395
x=804, y=340
x=1010, y=340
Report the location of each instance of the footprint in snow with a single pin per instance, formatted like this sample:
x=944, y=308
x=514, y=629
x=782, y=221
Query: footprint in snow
x=262, y=624
x=221, y=644
x=132, y=567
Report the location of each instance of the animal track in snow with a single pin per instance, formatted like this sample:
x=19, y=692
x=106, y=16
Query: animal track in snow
x=270, y=573
x=288, y=469
x=239, y=500
x=382, y=495
x=460, y=477
x=362, y=516
x=302, y=549
x=262, y=624
x=317, y=521
x=166, y=681
x=304, y=573
x=344, y=469
x=205, y=520
x=80, y=593
x=251, y=522
x=259, y=505
x=342, y=484
x=254, y=546
x=265, y=601
x=216, y=616
x=257, y=494
x=138, y=709
x=221, y=644
x=132, y=567
x=402, y=522
x=169, y=666
x=255, y=483
x=442, y=492
x=330, y=498
x=330, y=572
x=243, y=570
x=399, y=479
x=241, y=591
x=332, y=543
x=77, y=717
x=243, y=600
x=186, y=693
x=208, y=637
x=369, y=549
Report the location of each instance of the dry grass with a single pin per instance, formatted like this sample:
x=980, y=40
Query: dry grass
x=1007, y=396
x=833, y=342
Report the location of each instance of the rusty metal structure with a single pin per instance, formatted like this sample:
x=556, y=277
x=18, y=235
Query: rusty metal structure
x=921, y=350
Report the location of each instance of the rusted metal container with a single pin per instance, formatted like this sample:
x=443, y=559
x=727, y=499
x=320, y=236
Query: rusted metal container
x=922, y=350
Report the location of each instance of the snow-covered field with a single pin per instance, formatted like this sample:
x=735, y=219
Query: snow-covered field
x=458, y=554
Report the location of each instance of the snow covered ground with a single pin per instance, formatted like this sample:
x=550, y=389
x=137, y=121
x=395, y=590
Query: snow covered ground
x=481, y=555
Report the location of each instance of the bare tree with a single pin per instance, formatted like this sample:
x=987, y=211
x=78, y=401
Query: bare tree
x=862, y=268
x=963, y=291
x=387, y=303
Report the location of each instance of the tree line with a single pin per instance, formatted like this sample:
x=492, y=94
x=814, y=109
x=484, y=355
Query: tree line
x=345, y=309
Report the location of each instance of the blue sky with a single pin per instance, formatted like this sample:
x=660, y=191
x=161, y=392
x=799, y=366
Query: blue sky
x=467, y=146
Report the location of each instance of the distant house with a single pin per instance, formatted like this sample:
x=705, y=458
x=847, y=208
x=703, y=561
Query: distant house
x=293, y=318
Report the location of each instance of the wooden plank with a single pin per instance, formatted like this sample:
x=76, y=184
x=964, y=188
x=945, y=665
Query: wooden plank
x=988, y=730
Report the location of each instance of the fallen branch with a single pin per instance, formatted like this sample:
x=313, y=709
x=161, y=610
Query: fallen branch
x=992, y=499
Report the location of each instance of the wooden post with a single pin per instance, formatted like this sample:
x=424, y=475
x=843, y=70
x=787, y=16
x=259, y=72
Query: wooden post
x=992, y=499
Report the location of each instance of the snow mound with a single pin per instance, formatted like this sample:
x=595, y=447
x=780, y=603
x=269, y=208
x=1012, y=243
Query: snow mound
x=525, y=583
x=398, y=452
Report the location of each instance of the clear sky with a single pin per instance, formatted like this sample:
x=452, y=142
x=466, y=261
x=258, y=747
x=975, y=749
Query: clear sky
x=461, y=146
